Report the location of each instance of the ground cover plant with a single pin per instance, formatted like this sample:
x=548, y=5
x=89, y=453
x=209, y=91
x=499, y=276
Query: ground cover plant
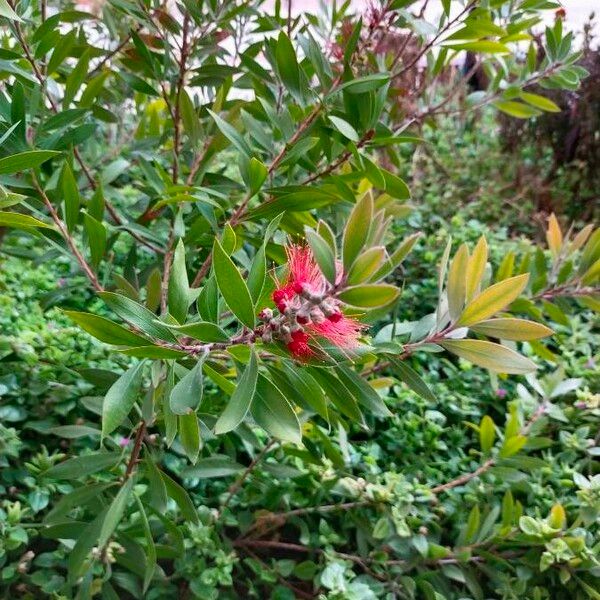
x=237, y=358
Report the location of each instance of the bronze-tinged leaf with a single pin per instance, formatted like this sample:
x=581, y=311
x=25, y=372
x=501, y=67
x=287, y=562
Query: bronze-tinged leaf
x=554, y=236
x=494, y=357
x=492, y=300
x=512, y=329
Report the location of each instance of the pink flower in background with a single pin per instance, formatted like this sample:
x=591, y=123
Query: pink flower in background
x=501, y=393
x=124, y=442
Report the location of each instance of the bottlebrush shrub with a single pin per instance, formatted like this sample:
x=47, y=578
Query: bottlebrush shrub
x=215, y=171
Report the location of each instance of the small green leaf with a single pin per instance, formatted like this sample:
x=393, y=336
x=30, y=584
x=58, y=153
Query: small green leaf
x=25, y=160
x=105, y=330
x=323, y=254
x=241, y=399
x=257, y=274
x=150, y=548
x=512, y=445
x=540, y=102
x=19, y=221
x=370, y=295
x=189, y=434
x=487, y=434
x=257, y=175
x=274, y=413
x=138, y=315
x=344, y=128
x=412, y=379
x=96, y=233
x=232, y=134
x=213, y=467
x=82, y=466
x=457, y=282
x=115, y=513
x=187, y=394
x=201, y=330
x=357, y=228
x=179, y=287
x=360, y=85
x=120, y=398
x=232, y=286
x=287, y=64
x=181, y=497
x=517, y=109
x=71, y=197
x=366, y=265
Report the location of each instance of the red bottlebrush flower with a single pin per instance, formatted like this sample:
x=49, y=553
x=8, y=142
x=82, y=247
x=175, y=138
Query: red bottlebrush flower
x=344, y=332
x=282, y=296
x=304, y=272
x=298, y=345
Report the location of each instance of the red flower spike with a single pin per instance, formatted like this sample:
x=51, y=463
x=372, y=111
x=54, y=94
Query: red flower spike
x=282, y=296
x=304, y=273
x=344, y=332
x=298, y=346
x=336, y=317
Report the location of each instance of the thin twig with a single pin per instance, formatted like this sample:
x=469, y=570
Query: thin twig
x=85, y=267
x=235, y=487
x=137, y=446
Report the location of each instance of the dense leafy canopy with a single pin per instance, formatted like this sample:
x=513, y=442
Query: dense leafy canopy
x=221, y=186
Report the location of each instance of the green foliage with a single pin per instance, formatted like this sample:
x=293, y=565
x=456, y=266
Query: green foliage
x=231, y=411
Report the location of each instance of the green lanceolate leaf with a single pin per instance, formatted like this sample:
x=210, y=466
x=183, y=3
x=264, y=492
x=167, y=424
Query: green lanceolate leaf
x=257, y=274
x=71, y=197
x=179, y=287
x=476, y=268
x=412, y=379
x=287, y=64
x=150, y=548
x=366, y=265
x=494, y=357
x=189, y=434
x=105, y=330
x=241, y=399
x=370, y=295
x=357, y=229
x=19, y=221
x=272, y=411
x=25, y=160
x=213, y=467
x=120, y=398
x=181, y=497
x=81, y=466
x=232, y=286
x=138, y=315
x=323, y=254
x=115, y=513
x=201, y=330
x=187, y=393
x=457, y=282
x=96, y=233
x=487, y=434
